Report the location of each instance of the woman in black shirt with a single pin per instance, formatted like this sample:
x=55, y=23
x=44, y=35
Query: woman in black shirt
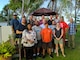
x=58, y=33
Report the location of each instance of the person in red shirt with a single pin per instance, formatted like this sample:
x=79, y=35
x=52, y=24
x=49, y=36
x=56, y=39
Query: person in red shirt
x=65, y=27
x=46, y=34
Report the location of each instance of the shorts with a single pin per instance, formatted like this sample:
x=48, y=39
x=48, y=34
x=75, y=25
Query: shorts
x=39, y=43
x=47, y=45
x=58, y=41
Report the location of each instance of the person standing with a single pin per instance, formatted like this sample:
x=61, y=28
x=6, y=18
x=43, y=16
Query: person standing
x=37, y=29
x=72, y=32
x=31, y=21
x=53, y=26
x=46, y=34
x=58, y=33
x=41, y=21
x=14, y=23
x=28, y=41
x=50, y=20
x=56, y=18
x=19, y=30
x=43, y=24
x=65, y=27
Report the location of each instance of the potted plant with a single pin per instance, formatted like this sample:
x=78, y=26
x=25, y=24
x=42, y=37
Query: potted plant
x=6, y=51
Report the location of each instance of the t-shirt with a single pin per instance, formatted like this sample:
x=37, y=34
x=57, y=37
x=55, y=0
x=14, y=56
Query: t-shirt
x=14, y=23
x=63, y=25
x=20, y=27
x=46, y=34
x=52, y=27
x=49, y=22
x=42, y=26
x=31, y=22
x=37, y=29
x=56, y=21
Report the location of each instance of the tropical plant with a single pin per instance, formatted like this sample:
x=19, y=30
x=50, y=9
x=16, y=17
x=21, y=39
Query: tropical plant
x=6, y=50
x=29, y=5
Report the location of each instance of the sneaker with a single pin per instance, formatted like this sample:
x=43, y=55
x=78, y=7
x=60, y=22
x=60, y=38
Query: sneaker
x=51, y=56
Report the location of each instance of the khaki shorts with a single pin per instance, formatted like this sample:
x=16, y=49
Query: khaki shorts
x=58, y=41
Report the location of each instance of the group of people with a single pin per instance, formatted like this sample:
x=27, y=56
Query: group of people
x=39, y=36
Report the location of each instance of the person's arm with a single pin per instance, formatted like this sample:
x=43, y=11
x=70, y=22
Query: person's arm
x=66, y=27
x=12, y=24
x=12, y=29
x=41, y=34
x=54, y=34
x=18, y=32
x=75, y=27
x=61, y=34
x=24, y=38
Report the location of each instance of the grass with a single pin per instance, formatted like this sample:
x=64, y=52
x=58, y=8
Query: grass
x=71, y=54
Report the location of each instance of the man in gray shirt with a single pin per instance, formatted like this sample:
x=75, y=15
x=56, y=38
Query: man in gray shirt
x=37, y=29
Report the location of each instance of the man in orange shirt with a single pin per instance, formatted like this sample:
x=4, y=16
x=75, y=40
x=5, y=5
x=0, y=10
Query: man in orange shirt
x=46, y=34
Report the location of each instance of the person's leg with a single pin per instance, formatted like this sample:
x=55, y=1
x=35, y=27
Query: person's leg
x=30, y=53
x=49, y=48
x=34, y=51
x=44, y=48
x=57, y=50
x=73, y=43
x=38, y=47
x=69, y=41
x=64, y=36
x=56, y=47
x=61, y=47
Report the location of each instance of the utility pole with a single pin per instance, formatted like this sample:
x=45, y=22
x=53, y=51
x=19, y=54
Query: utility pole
x=20, y=39
x=75, y=10
x=22, y=7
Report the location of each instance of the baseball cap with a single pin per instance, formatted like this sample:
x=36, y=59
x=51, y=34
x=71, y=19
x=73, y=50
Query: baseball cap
x=14, y=14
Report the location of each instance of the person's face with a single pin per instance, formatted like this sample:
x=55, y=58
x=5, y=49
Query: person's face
x=58, y=25
x=15, y=16
x=71, y=20
x=61, y=19
x=46, y=25
x=36, y=23
x=53, y=23
x=43, y=17
x=23, y=20
x=51, y=16
x=31, y=17
x=56, y=15
x=29, y=26
x=44, y=21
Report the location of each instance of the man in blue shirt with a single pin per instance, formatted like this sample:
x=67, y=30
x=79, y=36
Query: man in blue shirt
x=72, y=32
x=14, y=23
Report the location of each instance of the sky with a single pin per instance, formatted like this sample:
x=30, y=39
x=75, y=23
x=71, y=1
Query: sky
x=4, y=2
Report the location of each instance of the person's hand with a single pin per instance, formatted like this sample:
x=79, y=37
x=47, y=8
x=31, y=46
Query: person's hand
x=31, y=41
x=57, y=38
